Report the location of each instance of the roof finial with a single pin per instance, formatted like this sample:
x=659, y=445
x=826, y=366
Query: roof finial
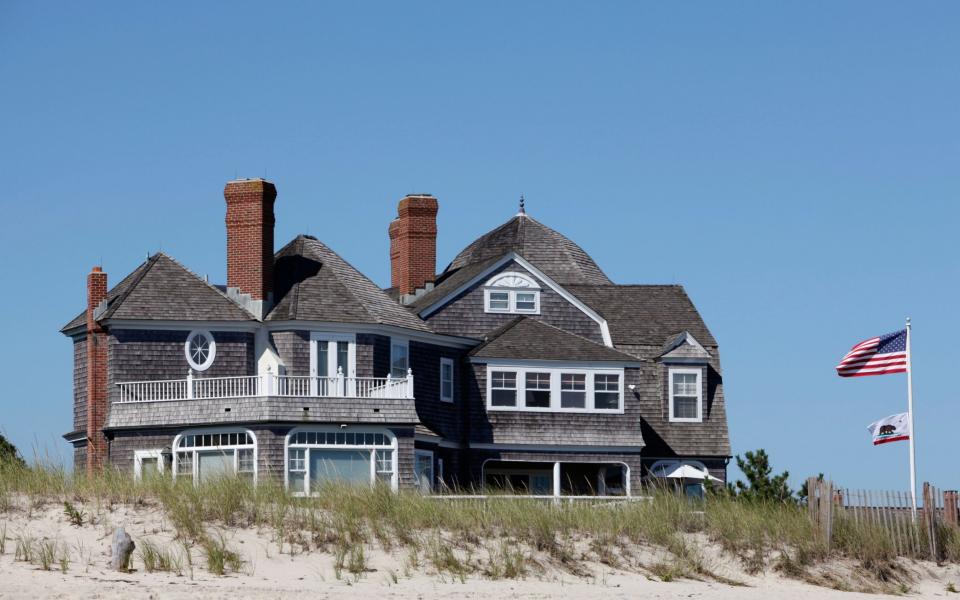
x=523, y=210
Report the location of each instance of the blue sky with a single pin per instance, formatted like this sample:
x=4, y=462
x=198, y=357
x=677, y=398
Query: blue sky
x=795, y=167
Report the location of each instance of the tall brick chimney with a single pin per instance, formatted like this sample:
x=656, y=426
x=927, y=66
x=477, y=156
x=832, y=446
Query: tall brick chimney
x=250, y=241
x=413, y=243
x=96, y=373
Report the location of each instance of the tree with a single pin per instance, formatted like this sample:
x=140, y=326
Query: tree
x=761, y=484
x=9, y=454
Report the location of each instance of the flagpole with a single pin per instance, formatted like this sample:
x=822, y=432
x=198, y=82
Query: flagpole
x=913, y=431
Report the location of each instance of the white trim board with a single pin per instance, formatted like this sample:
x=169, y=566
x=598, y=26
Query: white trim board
x=556, y=448
x=438, y=339
x=555, y=364
x=513, y=256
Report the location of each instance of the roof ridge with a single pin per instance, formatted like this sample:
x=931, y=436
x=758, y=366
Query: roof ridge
x=147, y=265
x=357, y=298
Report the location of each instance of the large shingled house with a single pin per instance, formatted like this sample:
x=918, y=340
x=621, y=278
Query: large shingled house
x=520, y=365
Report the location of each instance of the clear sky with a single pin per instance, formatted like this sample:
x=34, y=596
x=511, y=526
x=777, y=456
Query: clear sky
x=795, y=167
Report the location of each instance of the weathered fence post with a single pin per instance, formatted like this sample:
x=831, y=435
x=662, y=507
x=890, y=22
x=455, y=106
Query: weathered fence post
x=820, y=503
x=929, y=518
x=950, y=508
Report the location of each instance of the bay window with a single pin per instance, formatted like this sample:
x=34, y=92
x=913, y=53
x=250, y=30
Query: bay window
x=555, y=389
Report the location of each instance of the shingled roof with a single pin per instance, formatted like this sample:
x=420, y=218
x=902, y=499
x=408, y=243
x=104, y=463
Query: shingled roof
x=451, y=282
x=312, y=282
x=529, y=339
x=550, y=251
x=647, y=315
x=163, y=289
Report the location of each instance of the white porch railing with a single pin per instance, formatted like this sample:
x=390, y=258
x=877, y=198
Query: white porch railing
x=248, y=386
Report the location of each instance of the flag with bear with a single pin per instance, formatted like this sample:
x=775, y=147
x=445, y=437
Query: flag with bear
x=890, y=429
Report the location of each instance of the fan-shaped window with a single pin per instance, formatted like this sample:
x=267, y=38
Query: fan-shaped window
x=205, y=454
x=512, y=292
x=200, y=349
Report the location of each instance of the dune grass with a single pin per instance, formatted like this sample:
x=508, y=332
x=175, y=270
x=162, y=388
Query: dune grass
x=494, y=537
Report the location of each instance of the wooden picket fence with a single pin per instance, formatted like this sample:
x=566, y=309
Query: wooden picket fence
x=915, y=536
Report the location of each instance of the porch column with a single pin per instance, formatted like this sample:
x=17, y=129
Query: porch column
x=556, y=480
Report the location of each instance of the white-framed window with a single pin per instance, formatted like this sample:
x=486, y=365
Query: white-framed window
x=502, y=389
x=423, y=470
x=399, y=357
x=446, y=379
x=200, y=349
x=147, y=463
x=204, y=454
x=686, y=395
x=327, y=454
x=332, y=355
x=511, y=292
x=555, y=389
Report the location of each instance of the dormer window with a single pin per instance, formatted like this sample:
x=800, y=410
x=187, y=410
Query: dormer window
x=686, y=398
x=512, y=293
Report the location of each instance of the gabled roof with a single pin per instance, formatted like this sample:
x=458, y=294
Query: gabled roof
x=647, y=315
x=550, y=251
x=163, y=289
x=312, y=282
x=451, y=282
x=525, y=338
x=684, y=346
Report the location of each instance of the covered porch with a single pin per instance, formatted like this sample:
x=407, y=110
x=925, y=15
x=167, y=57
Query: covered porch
x=556, y=479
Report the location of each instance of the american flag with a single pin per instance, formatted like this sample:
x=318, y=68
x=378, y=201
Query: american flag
x=876, y=356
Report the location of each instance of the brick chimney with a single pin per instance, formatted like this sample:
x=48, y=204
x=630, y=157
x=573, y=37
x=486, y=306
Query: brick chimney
x=96, y=373
x=413, y=243
x=250, y=242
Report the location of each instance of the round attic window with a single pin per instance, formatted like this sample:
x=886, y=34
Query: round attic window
x=200, y=350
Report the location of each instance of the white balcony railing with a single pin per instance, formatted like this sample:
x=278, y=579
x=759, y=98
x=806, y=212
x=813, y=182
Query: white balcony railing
x=248, y=386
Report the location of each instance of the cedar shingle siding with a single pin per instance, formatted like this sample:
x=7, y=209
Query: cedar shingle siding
x=649, y=327
x=80, y=383
x=466, y=316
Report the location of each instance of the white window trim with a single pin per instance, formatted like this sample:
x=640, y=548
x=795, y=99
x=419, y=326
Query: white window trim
x=699, y=374
x=554, y=389
x=324, y=336
x=497, y=284
x=433, y=475
x=210, y=357
x=287, y=446
x=397, y=341
x=138, y=457
x=444, y=361
x=175, y=449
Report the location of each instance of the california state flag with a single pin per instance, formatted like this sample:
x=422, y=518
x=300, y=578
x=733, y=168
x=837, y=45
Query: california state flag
x=891, y=429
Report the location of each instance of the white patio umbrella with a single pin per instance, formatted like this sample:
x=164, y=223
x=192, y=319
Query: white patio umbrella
x=689, y=472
